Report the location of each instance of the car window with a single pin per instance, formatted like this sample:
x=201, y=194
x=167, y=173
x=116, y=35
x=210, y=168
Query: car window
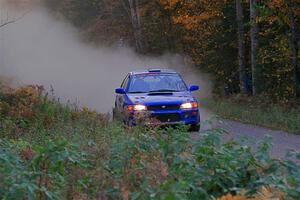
x=156, y=83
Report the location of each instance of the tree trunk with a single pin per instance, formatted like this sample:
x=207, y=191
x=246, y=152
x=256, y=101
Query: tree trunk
x=294, y=49
x=254, y=46
x=167, y=31
x=241, y=46
x=136, y=23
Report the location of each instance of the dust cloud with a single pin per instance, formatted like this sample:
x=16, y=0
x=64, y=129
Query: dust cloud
x=38, y=49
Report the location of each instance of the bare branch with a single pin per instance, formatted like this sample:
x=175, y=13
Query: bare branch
x=6, y=23
x=14, y=20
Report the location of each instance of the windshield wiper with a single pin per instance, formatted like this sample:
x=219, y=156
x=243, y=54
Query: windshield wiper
x=164, y=91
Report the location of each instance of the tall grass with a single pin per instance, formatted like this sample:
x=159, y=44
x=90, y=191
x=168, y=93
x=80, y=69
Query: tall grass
x=271, y=116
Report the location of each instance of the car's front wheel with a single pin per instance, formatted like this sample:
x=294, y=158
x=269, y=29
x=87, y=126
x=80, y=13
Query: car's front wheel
x=114, y=115
x=194, y=128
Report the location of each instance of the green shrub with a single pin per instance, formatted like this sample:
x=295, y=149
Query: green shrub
x=37, y=173
x=65, y=152
x=167, y=165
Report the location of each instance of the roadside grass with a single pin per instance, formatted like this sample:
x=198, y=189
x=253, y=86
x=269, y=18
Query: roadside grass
x=278, y=117
x=50, y=150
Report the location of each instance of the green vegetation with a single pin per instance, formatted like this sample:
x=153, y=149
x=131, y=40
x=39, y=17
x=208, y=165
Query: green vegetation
x=253, y=111
x=54, y=151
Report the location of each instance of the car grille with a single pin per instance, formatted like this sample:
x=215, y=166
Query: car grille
x=168, y=117
x=163, y=107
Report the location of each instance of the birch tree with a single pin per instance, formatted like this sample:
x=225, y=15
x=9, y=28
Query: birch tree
x=241, y=46
x=254, y=46
x=136, y=23
x=294, y=48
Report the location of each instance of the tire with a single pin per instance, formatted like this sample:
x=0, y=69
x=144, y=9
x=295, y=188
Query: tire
x=194, y=128
x=114, y=115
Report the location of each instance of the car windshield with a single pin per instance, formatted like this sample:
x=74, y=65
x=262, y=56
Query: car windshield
x=144, y=83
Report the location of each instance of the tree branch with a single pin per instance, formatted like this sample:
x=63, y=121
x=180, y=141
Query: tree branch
x=6, y=23
x=13, y=21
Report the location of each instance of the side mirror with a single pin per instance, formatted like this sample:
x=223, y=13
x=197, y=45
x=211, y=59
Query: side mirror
x=194, y=88
x=120, y=91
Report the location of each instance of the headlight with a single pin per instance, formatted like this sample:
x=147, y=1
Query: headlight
x=140, y=107
x=136, y=107
x=189, y=105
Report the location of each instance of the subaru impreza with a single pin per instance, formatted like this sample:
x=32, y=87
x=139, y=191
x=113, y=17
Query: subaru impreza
x=158, y=97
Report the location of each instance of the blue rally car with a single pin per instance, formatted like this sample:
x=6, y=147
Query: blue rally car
x=160, y=96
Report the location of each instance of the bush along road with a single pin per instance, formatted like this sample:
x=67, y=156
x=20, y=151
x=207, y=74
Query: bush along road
x=54, y=151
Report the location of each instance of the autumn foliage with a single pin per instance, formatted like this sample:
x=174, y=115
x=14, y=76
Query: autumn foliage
x=264, y=194
x=206, y=33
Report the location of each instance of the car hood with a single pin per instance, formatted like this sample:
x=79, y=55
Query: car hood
x=158, y=98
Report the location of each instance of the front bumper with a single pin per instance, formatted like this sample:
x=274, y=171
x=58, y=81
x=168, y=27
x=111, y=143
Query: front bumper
x=172, y=117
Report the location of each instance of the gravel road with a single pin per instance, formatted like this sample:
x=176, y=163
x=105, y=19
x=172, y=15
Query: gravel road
x=282, y=141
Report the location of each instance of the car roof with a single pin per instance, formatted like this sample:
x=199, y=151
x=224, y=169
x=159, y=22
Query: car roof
x=168, y=71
